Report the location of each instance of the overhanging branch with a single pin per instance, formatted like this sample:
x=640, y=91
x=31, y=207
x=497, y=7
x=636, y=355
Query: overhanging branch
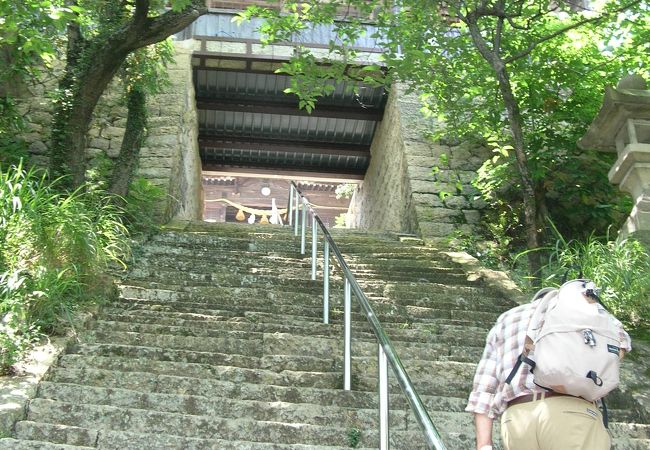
x=561, y=31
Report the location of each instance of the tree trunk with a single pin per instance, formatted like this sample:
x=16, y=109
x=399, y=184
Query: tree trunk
x=527, y=185
x=90, y=68
x=492, y=56
x=82, y=87
x=131, y=143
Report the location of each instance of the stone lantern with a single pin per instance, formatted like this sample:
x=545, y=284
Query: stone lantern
x=623, y=126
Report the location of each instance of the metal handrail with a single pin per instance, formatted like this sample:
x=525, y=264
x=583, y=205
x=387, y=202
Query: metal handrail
x=386, y=352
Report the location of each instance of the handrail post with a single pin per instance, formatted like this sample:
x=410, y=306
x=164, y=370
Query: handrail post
x=303, y=226
x=347, y=340
x=326, y=282
x=314, y=246
x=290, y=210
x=382, y=365
x=296, y=221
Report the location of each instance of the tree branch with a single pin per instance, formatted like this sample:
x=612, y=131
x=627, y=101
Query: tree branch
x=497, y=36
x=561, y=31
x=481, y=45
x=158, y=28
x=141, y=12
x=496, y=46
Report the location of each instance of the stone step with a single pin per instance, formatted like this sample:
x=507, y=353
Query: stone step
x=149, y=312
x=118, y=440
x=210, y=317
x=372, y=288
x=385, y=309
x=280, y=369
x=459, y=298
x=15, y=444
x=417, y=332
x=341, y=237
x=238, y=388
x=234, y=229
x=186, y=255
x=444, y=334
x=434, y=378
x=198, y=405
x=281, y=268
x=378, y=255
x=285, y=258
x=216, y=278
x=223, y=407
x=284, y=344
x=102, y=417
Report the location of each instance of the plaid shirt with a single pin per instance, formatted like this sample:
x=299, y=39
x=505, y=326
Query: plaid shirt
x=505, y=341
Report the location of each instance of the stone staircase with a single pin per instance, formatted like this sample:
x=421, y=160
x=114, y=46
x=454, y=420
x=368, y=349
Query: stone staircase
x=217, y=342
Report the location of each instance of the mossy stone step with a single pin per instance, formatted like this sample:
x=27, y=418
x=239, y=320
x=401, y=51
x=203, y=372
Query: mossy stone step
x=447, y=335
x=236, y=266
x=24, y=444
x=239, y=306
x=147, y=421
x=239, y=389
x=462, y=299
x=223, y=407
x=119, y=440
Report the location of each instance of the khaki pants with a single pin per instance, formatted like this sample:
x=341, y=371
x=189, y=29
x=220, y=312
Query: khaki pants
x=555, y=423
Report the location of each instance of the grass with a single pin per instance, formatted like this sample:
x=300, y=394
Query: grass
x=620, y=268
x=354, y=436
x=55, y=248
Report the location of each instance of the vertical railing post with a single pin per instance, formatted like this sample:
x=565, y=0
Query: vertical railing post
x=295, y=219
x=303, y=226
x=290, y=210
x=382, y=365
x=326, y=282
x=314, y=246
x=347, y=340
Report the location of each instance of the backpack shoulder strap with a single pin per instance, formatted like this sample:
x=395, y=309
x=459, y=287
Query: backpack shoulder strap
x=537, y=319
x=534, y=324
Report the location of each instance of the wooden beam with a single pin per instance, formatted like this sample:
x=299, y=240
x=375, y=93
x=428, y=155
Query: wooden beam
x=250, y=41
x=289, y=109
x=296, y=175
x=362, y=151
x=355, y=167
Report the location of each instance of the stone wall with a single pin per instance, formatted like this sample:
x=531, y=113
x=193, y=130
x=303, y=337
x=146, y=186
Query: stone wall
x=169, y=157
x=401, y=192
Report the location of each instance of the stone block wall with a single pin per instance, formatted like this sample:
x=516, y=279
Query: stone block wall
x=170, y=155
x=402, y=193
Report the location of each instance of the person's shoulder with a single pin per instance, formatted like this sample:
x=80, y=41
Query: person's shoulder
x=518, y=311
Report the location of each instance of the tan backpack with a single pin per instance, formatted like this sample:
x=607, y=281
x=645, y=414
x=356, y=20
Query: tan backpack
x=572, y=342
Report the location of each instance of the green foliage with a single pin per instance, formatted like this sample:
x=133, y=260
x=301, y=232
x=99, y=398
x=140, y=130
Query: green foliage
x=140, y=208
x=16, y=337
x=54, y=252
x=486, y=250
x=555, y=58
x=146, y=68
x=26, y=35
x=354, y=436
x=28, y=44
x=620, y=269
x=340, y=221
x=345, y=190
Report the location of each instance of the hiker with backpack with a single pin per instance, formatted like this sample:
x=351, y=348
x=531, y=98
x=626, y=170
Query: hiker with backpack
x=545, y=369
